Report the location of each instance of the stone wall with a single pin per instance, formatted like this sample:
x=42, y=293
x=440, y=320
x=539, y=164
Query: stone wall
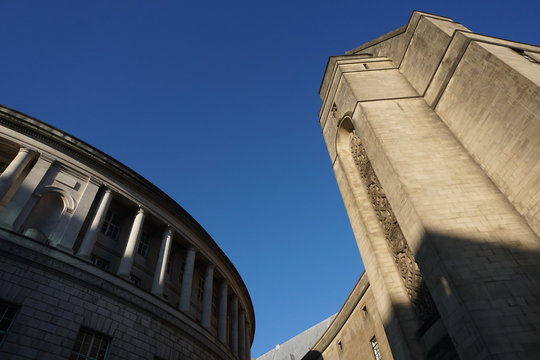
x=57, y=294
x=449, y=123
x=354, y=330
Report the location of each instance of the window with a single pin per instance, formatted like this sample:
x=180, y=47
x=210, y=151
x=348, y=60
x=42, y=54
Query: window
x=111, y=225
x=169, y=267
x=90, y=345
x=200, y=289
x=376, y=349
x=99, y=262
x=214, y=304
x=144, y=243
x=135, y=280
x=7, y=313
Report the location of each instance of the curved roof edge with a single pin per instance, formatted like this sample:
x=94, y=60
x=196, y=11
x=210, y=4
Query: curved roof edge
x=86, y=153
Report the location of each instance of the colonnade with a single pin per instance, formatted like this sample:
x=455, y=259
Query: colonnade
x=232, y=327
x=231, y=323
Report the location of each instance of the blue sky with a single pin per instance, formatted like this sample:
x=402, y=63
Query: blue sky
x=216, y=103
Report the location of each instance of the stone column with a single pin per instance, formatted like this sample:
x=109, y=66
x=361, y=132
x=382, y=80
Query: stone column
x=187, y=279
x=159, y=274
x=20, y=205
x=234, y=325
x=247, y=343
x=127, y=259
x=206, y=315
x=222, y=319
x=242, y=335
x=13, y=170
x=89, y=240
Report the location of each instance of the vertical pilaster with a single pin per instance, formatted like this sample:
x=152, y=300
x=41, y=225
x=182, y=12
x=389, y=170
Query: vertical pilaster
x=89, y=240
x=206, y=315
x=82, y=211
x=187, y=280
x=159, y=273
x=242, y=335
x=222, y=315
x=247, y=342
x=127, y=259
x=234, y=325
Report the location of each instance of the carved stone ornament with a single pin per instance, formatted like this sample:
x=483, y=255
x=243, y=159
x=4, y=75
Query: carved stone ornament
x=404, y=258
x=334, y=111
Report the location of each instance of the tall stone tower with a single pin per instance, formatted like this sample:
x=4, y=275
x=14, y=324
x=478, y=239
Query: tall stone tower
x=434, y=137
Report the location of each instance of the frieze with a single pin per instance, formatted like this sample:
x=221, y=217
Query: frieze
x=404, y=258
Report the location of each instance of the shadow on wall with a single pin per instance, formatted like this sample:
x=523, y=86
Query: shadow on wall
x=313, y=355
x=487, y=292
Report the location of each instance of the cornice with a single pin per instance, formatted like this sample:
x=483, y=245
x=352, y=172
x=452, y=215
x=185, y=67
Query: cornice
x=103, y=163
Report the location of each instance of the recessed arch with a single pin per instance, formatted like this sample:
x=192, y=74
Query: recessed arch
x=345, y=128
x=69, y=201
x=45, y=216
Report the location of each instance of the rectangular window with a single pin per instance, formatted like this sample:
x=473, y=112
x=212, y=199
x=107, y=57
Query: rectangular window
x=99, y=262
x=200, y=289
x=144, y=243
x=90, y=345
x=111, y=225
x=7, y=313
x=214, y=304
x=376, y=349
x=135, y=280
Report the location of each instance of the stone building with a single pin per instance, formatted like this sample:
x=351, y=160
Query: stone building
x=434, y=137
x=97, y=263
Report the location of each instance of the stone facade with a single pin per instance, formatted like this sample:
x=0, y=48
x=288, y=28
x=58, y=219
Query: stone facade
x=97, y=263
x=357, y=331
x=433, y=134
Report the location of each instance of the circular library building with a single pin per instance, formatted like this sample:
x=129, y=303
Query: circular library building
x=98, y=263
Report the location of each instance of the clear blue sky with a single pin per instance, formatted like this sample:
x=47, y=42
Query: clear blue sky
x=216, y=103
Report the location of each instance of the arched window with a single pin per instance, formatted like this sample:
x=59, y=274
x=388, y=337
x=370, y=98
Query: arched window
x=45, y=216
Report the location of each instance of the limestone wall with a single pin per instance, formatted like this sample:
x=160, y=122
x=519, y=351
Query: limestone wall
x=356, y=329
x=449, y=133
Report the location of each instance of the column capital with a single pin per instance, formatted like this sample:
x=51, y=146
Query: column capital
x=169, y=231
x=25, y=149
x=141, y=210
